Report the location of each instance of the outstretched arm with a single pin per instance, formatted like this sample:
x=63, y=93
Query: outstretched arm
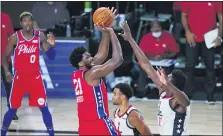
x=179, y=96
x=103, y=49
x=100, y=71
x=9, y=48
x=142, y=59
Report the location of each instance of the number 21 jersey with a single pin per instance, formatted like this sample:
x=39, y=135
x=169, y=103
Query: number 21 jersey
x=92, y=101
x=26, y=53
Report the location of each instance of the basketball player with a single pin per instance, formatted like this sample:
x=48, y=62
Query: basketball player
x=127, y=118
x=174, y=105
x=27, y=77
x=91, y=93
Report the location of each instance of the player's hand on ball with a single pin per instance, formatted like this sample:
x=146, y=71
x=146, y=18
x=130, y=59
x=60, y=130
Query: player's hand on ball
x=8, y=77
x=51, y=39
x=127, y=32
x=102, y=27
x=114, y=12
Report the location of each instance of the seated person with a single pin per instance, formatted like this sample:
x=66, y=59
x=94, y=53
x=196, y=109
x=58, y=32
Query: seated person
x=156, y=45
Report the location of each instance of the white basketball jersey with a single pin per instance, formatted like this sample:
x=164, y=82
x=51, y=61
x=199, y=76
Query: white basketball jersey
x=172, y=122
x=122, y=123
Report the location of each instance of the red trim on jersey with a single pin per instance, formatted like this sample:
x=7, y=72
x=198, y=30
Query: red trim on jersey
x=35, y=33
x=124, y=112
x=166, y=96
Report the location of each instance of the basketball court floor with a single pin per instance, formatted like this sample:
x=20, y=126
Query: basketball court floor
x=205, y=119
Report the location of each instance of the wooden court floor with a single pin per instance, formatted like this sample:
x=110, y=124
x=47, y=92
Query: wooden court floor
x=205, y=119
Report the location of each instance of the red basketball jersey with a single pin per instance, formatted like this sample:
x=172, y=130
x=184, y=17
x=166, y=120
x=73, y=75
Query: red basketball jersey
x=92, y=101
x=26, y=53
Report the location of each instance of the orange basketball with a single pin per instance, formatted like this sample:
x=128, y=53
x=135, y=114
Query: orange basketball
x=103, y=15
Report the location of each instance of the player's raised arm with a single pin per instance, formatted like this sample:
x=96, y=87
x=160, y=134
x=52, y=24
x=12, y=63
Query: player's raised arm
x=48, y=45
x=137, y=121
x=100, y=71
x=142, y=59
x=103, y=48
x=8, y=51
x=180, y=97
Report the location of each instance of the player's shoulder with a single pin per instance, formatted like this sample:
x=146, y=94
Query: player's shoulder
x=13, y=37
x=78, y=73
x=132, y=111
x=134, y=116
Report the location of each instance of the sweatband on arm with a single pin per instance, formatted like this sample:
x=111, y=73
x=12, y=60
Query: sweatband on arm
x=51, y=53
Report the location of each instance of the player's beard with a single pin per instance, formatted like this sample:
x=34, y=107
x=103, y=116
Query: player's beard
x=89, y=66
x=114, y=103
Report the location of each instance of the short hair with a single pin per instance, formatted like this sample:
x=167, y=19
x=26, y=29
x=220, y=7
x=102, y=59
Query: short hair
x=179, y=79
x=76, y=56
x=126, y=89
x=23, y=14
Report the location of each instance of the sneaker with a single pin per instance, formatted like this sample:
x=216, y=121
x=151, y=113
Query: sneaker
x=15, y=117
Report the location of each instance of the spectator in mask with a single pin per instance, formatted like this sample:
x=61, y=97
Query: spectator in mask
x=157, y=45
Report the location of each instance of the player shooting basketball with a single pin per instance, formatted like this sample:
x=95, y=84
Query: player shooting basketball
x=90, y=90
x=27, y=77
x=174, y=105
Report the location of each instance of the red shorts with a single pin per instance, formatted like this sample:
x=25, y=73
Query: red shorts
x=32, y=85
x=98, y=127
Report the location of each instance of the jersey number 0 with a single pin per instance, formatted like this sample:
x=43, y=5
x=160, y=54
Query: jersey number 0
x=32, y=58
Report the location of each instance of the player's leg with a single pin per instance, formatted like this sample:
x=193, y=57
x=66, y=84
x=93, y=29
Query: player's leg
x=192, y=54
x=141, y=84
x=208, y=56
x=7, y=86
x=15, y=99
x=37, y=98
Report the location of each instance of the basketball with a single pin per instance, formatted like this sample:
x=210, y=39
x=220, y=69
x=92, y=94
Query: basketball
x=103, y=15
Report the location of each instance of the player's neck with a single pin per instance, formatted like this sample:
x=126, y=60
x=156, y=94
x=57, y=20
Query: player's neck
x=27, y=33
x=82, y=68
x=123, y=107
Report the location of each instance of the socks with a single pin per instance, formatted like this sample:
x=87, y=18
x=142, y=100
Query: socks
x=7, y=120
x=47, y=119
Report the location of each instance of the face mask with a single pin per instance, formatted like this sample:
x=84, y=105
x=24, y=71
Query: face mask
x=156, y=34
